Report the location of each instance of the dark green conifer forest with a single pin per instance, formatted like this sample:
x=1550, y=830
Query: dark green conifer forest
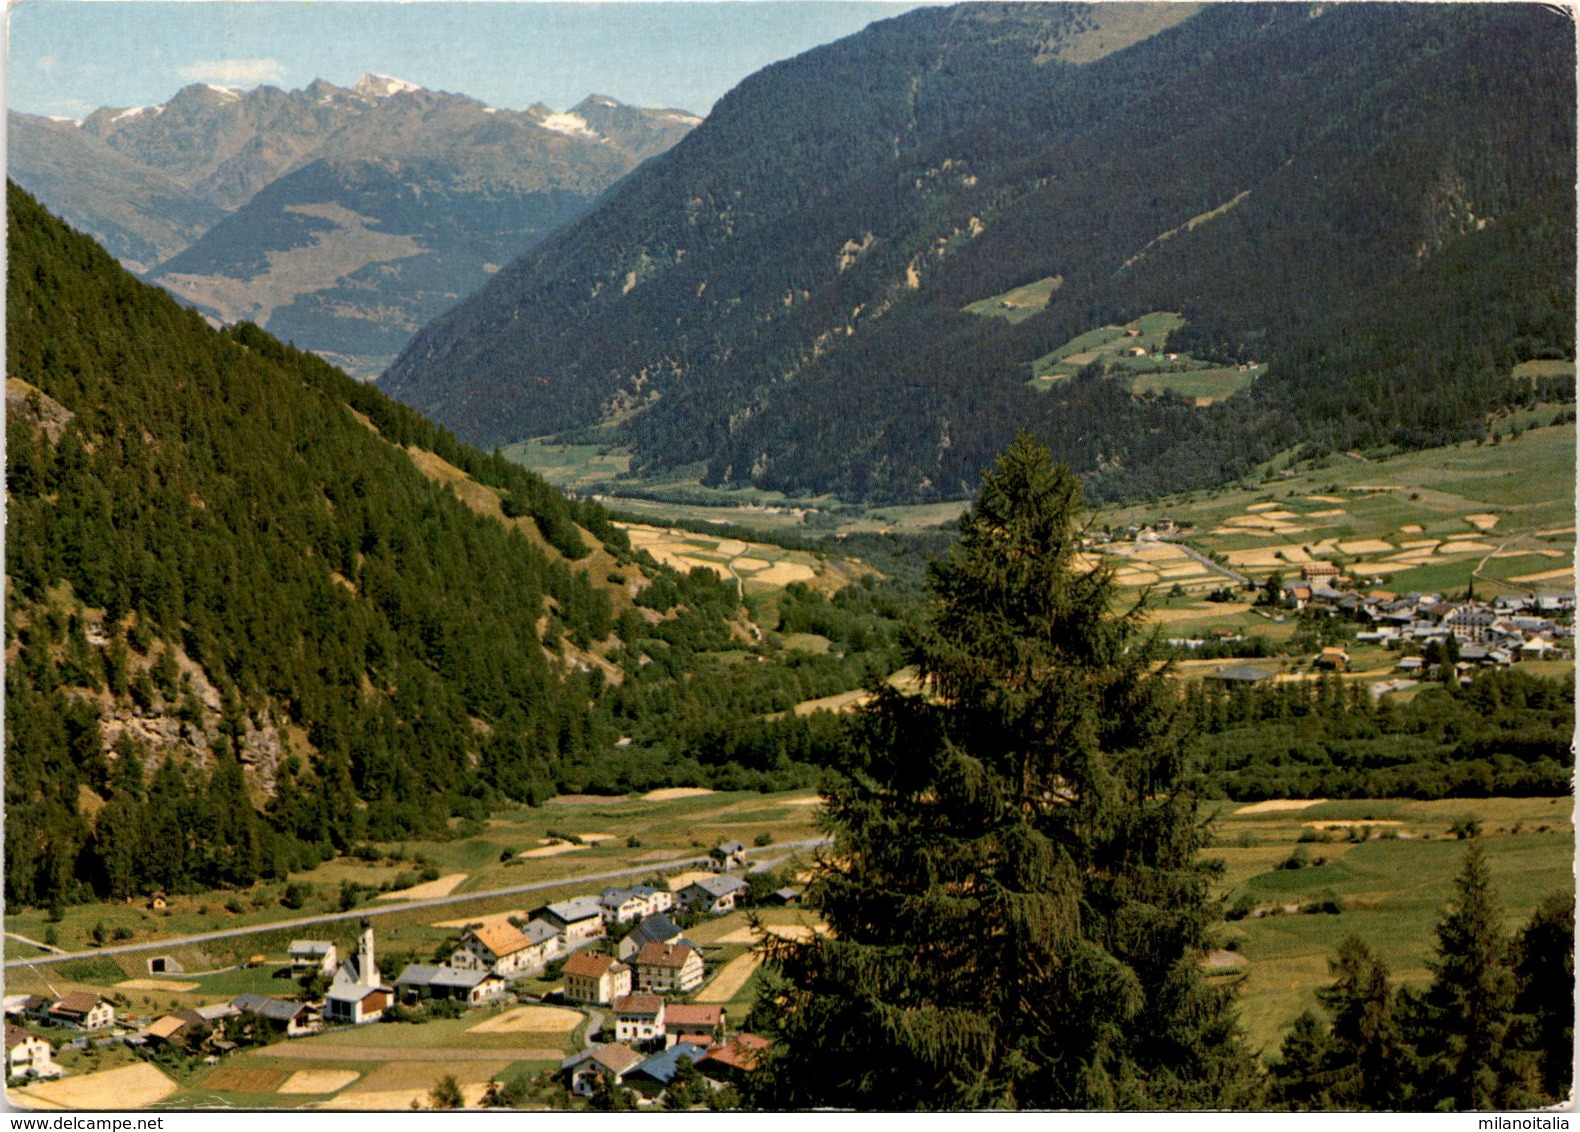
x=243, y=531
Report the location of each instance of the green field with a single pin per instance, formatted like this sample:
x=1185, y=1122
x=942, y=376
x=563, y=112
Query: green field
x=1392, y=885
x=1019, y=303
x=1523, y=487
x=1393, y=891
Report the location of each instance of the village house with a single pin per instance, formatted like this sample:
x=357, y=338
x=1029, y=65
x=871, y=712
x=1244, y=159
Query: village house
x=471, y=985
x=727, y=856
x=1238, y=674
x=580, y=920
x=653, y=929
x=165, y=1029
x=501, y=948
x=82, y=1011
x=273, y=1014
x=1469, y=622
x=734, y=1059
x=1313, y=572
x=639, y=1018
x=621, y=905
x=27, y=1006
x=358, y=996
x=669, y=968
x=312, y=955
x=714, y=895
x=545, y=942
x=700, y=1025
x=611, y=1062
x=650, y=1077
x=595, y=978
x=1332, y=659
x=29, y=1056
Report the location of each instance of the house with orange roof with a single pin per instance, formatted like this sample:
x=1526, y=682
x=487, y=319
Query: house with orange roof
x=501, y=948
x=595, y=978
x=700, y=1025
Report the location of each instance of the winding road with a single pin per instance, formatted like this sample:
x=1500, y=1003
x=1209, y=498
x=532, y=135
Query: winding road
x=372, y=912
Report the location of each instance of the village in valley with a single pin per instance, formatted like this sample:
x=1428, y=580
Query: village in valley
x=625, y=977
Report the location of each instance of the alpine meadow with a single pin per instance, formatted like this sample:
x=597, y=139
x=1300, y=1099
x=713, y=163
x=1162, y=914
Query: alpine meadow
x=1008, y=557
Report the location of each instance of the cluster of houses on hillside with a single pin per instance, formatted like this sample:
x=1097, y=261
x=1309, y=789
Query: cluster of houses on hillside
x=652, y=959
x=31, y=1057
x=1497, y=633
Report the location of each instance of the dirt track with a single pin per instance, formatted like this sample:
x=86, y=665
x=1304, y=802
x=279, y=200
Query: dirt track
x=311, y=1051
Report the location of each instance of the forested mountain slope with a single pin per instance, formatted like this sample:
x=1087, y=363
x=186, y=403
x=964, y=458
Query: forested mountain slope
x=257, y=612
x=222, y=561
x=1375, y=200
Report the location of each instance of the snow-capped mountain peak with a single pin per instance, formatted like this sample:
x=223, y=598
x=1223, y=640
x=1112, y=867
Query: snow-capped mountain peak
x=382, y=86
x=572, y=124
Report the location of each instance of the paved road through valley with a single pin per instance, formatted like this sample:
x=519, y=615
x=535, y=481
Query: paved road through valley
x=384, y=910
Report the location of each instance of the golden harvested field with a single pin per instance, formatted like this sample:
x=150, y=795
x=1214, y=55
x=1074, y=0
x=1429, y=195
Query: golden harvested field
x=1212, y=609
x=552, y=850
x=156, y=984
x=441, y=887
x=317, y=1080
x=728, y=982
x=783, y=931
x=234, y=1079
x=485, y=921
x=130, y=1086
x=1280, y=805
x=670, y=793
x=531, y=1020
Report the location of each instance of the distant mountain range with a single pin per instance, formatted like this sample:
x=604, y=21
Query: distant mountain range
x=847, y=279
x=340, y=218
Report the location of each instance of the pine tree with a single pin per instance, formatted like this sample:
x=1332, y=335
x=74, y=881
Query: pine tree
x=1368, y=1057
x=1017, y=906
x=1544, y=972
x=1461, y=1024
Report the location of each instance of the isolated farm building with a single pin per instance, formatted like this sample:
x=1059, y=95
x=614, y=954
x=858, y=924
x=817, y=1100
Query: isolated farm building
x=653, y=929
x=714, y=895
x=700, y=1025
x=659, y=1070
x=1239, y=674
x=358, y=995
x=785, y=896
x=288, y=1018
x=580, y=920
x=1333, y=658
x=726, y=856
x=734, y=1059
x=313, y=955
x=473, y=986
x=596, y=979
x=611, y=1062
x=639, y=1018
x=669, y=968
x=28, y=1055
x=501, y=948
x=82, y=1011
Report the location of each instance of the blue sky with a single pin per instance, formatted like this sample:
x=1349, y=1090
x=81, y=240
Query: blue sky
x=68, y=57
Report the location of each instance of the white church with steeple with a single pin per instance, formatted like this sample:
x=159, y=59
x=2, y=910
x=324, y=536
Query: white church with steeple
x=358, y=995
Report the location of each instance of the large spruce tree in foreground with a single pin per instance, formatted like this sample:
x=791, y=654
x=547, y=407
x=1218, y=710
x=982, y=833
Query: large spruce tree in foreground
x=1015, y=893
